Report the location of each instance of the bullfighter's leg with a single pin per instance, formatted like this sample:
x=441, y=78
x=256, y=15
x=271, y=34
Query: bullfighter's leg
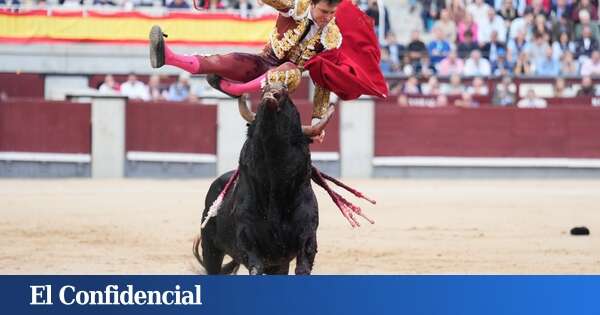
x=287, y=74
x=239, y=67
x=306, y=255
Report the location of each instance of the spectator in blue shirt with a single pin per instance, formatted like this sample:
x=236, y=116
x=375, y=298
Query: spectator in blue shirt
x=439, y=48
x=180, y=90
x=547, y=66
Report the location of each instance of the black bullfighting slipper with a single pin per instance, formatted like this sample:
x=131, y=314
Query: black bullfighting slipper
x=215, y=81
x=157, y=47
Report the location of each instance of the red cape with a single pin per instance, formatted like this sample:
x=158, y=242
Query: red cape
x=353, y=69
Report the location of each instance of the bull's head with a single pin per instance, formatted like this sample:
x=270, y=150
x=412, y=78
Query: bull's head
x=274, y=98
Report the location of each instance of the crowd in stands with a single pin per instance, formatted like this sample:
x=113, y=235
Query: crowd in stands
x=498, y=38
x=179, y=91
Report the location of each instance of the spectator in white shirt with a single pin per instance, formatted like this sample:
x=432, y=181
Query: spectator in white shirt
x=591, y=66
x=532, y=101
x=491, y=23
x=479, y=10
x=135, y=89
x=476, y=65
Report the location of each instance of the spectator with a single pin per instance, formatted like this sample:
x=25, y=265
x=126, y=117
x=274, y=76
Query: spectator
x=547, y=66
x=155, y=90
x=502, y=66
x=430, y=11
x=537, y=50
x=432, y=87
x=561, y=8
x=466, y=100
x=396, y=50
x=411, y=86
x=584, y=21
x=465, y=49
x=518, y=45
x=104, y=3
x=522, y=24
x=455, y=86
x=457, y=10
x=476, y=65
x=373, y=12
x=386, y=64
x=523, y=65
x=135, y=89
x=540, y=27
x=569, y=66
x=587, y=87
x=532, y=101
x=478, y=10
x=408, y=67
x=586, y=44
x=450, y=65
x=492, y=24
x=416, y=47
x=541, y=7
x=561, y=89
x=446, y=25
x=591, y=66
x=562, y=25
x=244, y=7
x=478, y=87
x=563, y=45
x=441, y=100
x=467, y=24
x=178, y=4
x=424, y=67
x=587, y=6
x=211, y=4
x=180, y=90
x=493, y=48
x=3, y=96
x=508, y=11
x=438, y=48
x=109, y=85
x=504, y=94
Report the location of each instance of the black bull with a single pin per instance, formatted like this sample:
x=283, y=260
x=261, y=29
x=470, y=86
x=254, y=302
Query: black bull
x=271, y=215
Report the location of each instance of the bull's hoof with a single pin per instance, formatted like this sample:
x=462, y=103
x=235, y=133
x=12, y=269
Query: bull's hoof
x=215, y=82
x=157, y=47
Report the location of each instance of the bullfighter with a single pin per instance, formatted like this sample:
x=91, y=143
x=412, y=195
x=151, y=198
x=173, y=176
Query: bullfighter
x=332, y=39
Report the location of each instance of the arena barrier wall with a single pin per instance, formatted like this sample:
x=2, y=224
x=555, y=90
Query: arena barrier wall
x=44, y=139
x=167, y=139
x=409, y=141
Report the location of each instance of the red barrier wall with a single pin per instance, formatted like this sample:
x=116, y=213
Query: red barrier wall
x=171, y=127
x=487, y=132
x=45, y=126
x=22, y=85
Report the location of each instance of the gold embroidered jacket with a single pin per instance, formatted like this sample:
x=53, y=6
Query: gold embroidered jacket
x=286, y=45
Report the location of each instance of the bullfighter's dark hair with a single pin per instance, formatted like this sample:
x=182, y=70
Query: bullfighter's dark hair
x=332, y=2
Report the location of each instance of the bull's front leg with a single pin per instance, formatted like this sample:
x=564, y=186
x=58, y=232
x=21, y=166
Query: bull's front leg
x=306, y=255
x=248, y=250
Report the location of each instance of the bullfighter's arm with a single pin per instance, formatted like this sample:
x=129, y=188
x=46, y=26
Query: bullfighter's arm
x=294, y=8
x=320, y=102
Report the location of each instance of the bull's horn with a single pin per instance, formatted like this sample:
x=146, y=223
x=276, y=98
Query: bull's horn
x=317, y=129
x=246, y=113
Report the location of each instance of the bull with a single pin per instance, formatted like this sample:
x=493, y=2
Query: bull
x=269, y=216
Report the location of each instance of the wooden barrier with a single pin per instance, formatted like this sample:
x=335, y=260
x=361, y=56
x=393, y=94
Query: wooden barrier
x=45, y=126
x=487, y=132
x=173, y=127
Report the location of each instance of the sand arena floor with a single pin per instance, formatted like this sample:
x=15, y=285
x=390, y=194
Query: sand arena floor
x=422, y=227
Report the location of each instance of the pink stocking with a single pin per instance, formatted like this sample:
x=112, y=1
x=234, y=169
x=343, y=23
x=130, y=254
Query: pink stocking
x=238, y=89
x=187, y=63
